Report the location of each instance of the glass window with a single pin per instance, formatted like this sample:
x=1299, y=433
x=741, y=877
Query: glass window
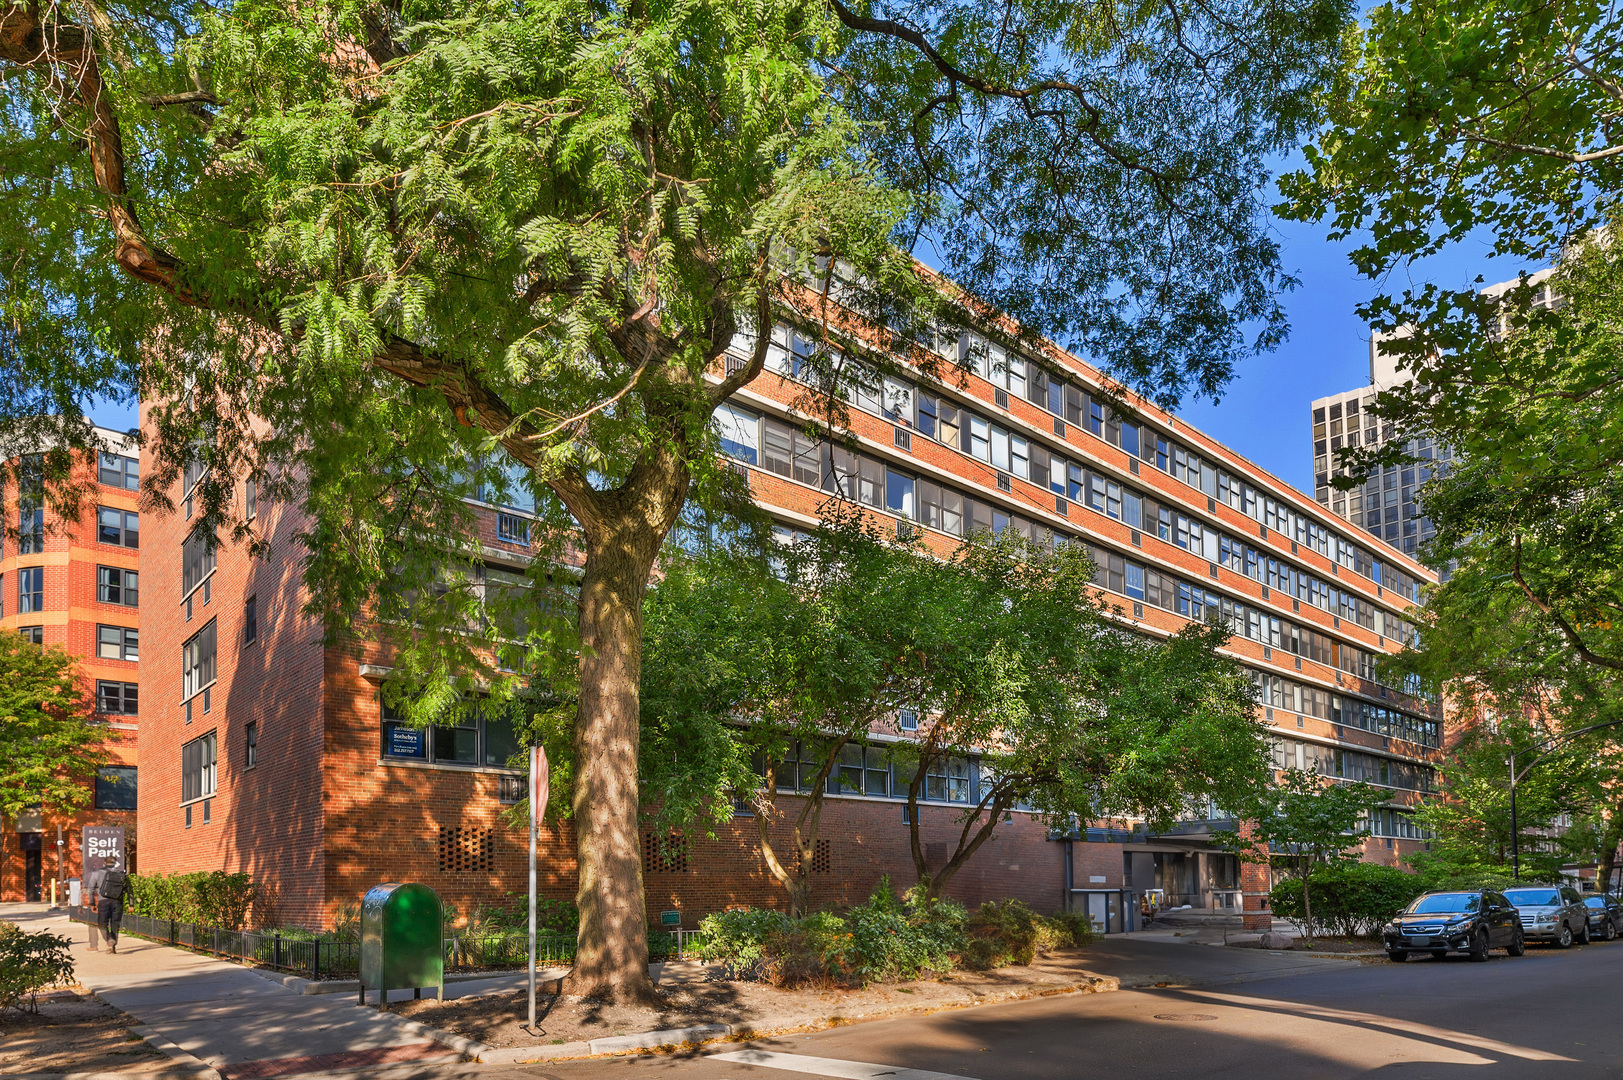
x=458, y=744
x=30, y=527
x=115, y=787
x=119, y=471
x=117, y=698
x=117, y=643
x=250, y=620
x=250, y=744
x=980, y=438
x=197, y=560
x=120, y=527
x=898, y=493
x=870, y=482
x=740, y=433
x=30, y=589
x=501, y=741
x=197, y=663
x=197, y=768
x=115, y=585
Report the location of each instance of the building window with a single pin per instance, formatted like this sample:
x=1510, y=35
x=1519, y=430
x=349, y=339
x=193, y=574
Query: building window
x=863, y=770
x=30, y=527
x=512, y=528
x=197, y=561
x=120, y=472
x=197, y=663
x=118, y=643
x=250, y=620
x=947, y=781
x=118, y=527
x=117, y=586
x=197, y=769
x=30, y=589
x=474, y=740
x=250, y=745
x=115, y=787
x=117, y=698
x=36, y=634
x=250, y=500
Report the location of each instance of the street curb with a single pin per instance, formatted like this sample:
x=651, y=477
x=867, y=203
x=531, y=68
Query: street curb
x=300, y=985
x=676, y=1039
x=191, y=1066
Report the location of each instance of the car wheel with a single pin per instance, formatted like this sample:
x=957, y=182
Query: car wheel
x=1611, y=930
x=1583, y=933
x=1397, y=956
x=1565, y=940
x=1479, y=946
x=1518, y=943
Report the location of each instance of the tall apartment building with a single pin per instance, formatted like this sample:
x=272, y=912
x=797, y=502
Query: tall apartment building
x=1385, y=506
x=270, y=752
x=77, y=585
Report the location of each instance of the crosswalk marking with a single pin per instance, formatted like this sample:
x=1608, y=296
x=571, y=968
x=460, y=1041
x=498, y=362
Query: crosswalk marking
x=837, y=1067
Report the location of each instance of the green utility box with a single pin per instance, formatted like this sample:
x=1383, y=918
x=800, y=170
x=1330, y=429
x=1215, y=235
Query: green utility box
x=402, y=940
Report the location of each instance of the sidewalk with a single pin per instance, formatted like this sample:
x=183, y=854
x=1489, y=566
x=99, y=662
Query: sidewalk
x=242, y=1024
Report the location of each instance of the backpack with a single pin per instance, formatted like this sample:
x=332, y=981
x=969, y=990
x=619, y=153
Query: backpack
x=114, y=884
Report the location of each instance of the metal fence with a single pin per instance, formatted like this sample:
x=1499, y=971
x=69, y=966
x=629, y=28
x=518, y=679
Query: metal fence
x=334, y=958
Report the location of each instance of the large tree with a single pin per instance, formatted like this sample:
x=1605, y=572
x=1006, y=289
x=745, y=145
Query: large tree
x=1496, y=125
x=384, y=254
x=49, y=744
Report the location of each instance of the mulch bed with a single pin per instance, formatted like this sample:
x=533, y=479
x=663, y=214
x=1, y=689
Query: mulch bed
x=72, y=1033
x=693, y=994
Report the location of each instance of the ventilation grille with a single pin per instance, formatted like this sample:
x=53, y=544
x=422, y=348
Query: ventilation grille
x=664, y=855
x=822, y=861
x=466, y=850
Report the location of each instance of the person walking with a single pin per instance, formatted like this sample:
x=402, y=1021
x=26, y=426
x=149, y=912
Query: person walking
x=108, y=886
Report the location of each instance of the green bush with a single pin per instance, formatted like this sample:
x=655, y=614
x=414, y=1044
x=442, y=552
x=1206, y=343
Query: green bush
x=30, y=963
x=1063, y=930
x=1353, y=900
x=211, y=898
x=1001, y=932
x=738, y=937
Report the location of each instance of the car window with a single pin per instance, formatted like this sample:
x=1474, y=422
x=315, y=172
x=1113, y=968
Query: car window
x=1570, y=895
x=1534, y=897
x=1595, y=901
x=1440, y=903
x=1495, y=898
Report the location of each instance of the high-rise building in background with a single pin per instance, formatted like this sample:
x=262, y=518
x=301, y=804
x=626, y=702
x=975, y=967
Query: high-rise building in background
x=1385, y=505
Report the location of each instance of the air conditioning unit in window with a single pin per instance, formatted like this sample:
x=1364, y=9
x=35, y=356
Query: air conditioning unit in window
x=510, y=789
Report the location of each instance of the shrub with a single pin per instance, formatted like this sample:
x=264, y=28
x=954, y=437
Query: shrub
x=1063, y=930
x=30, y=963
x=739, y=937
x=1353, y=900
x=213, y=898
x=1001, y=932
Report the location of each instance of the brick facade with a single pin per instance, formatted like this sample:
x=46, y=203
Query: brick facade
x=324, y=812
x=31, y=856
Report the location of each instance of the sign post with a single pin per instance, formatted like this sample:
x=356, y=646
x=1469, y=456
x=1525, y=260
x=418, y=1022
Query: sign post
x=540, y=784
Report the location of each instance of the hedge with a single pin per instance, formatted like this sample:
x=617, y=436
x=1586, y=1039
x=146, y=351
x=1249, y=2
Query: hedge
x=1353, y=900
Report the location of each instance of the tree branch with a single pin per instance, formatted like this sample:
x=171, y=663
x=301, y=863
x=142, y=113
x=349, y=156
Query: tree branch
x=1582, y=650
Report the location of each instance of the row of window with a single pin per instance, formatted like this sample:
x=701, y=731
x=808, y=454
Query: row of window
x=475, y=740
x=777, y=447
x=869, y=770
x=114, y=585
x=902, y=403
x=1278, y=692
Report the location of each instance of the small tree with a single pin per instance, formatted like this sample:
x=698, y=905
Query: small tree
x=49, y=748
x=1307, y=822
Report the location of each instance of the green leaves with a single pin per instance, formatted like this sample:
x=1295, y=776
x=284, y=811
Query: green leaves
x=49, y=747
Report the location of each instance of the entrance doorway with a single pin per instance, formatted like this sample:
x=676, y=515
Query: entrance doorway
x=32, y=876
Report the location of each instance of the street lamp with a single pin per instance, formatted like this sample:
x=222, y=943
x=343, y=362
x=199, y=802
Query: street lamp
x=1549, y=746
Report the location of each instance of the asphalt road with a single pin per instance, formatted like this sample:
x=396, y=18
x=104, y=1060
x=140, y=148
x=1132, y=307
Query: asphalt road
x=1545, y=1015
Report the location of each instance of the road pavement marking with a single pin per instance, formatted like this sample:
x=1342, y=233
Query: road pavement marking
x=839, y=1067
x=1404, y=1027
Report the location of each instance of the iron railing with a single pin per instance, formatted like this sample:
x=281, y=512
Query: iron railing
x=336, y=958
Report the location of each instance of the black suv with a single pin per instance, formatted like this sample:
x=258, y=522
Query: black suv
x=1443, y=922
x=1605, y=916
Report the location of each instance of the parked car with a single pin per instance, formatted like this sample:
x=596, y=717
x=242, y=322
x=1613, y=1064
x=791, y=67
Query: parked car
x=1444, y=922
x=1551, y=913
x=1605, y=916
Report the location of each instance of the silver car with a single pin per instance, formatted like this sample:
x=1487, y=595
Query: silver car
x=1551, y=913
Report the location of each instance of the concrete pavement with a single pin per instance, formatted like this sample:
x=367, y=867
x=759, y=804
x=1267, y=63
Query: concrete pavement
x=240, y=1023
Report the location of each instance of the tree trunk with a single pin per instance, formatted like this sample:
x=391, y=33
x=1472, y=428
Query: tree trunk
x=1307, y=908
x=1610, y=836
x=795, y=878
x=611, y=960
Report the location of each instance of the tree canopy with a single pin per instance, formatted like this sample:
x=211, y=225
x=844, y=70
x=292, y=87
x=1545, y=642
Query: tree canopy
x=49, y=746
x=384, y=255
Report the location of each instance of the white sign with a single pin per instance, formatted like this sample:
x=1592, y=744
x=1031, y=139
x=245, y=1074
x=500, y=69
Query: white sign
x=1096, y=878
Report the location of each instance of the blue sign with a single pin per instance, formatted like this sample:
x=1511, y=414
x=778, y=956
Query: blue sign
x=405, y=741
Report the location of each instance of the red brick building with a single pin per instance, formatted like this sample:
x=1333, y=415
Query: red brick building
x=270, y=753
x=77, y=585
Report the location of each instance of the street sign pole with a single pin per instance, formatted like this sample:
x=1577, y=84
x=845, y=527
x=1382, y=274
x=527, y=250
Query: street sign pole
x=539, y=785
